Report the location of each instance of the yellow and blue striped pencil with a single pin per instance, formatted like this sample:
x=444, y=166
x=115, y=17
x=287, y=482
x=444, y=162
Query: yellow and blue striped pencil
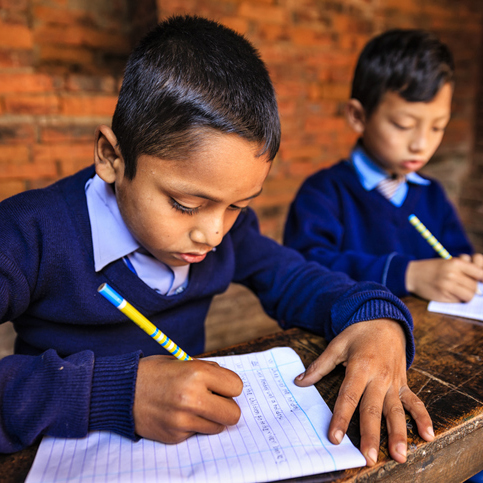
x=127, y=309
x=428, y=236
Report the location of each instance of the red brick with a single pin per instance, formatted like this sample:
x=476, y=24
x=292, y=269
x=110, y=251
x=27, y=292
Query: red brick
x=11, y=187
x=15, y=58
x=303, y=36
x=62, y=54
x=32, y=104
x=14, y=155
x=63, y=153
x=15, y=164
x=73, y=165
x=82, y=36
x=16, y=83
x=89, y=106
x=91, y=83
x=64, y=133
x=12, y=133
x=237, y=24
x=55, y=15
x=269, y=14
x=15, y=36
x=329, y=124
x=304, y=151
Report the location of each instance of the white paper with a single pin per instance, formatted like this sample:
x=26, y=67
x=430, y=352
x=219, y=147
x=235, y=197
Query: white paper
x=281, y=434
x=471, y=310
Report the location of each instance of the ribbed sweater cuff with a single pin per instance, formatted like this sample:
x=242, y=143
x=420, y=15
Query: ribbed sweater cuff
x=112, y=395
x=380, y=309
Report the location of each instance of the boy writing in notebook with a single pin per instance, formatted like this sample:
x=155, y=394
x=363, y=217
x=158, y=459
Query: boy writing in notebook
x=163, y=218
x=353, y=217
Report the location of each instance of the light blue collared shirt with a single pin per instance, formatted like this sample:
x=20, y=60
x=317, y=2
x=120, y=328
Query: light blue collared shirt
x=370, y=175
x=112, y=241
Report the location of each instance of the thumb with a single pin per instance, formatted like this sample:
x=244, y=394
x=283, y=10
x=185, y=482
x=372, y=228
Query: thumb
x=325, y=363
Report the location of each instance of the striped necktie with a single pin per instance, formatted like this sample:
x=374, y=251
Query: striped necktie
x=388, y=186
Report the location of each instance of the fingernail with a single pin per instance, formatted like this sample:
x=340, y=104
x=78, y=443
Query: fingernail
x=430, y=431
x=372, y=455
x=338, y=435
x=300, y=376
x=401, y=449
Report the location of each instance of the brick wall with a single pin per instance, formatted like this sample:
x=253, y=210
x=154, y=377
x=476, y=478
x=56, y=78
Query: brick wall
x=61, y=64
x=471, y=198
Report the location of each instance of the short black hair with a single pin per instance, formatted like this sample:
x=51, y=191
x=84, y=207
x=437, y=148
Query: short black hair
x=188, y=77
x=412, y=62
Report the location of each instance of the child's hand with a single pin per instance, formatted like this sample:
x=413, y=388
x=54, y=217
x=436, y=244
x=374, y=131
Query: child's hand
x=453, y=280
x=175, y=399
x=374, y=354
x=477, y=259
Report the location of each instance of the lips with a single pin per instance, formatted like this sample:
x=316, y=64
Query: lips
x=413, y=164
x=192, y=257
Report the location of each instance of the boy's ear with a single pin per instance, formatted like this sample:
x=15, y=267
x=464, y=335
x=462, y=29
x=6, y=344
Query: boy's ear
x=107, y=157
x=356, y=115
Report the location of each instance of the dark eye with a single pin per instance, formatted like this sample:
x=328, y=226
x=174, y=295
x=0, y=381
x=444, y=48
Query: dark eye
x=183, y=209
x=402, y=128
x=241, y=209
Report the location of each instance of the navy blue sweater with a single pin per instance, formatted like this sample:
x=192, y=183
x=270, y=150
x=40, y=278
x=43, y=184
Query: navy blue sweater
x=333, y=220
x=76, y=356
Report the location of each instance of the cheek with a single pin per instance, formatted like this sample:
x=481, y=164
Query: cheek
x=229, y=220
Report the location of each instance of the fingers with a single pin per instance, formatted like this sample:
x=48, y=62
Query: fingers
x=477, y=259
x=418, y=411
x=396, y=426
x=333, y=355
x=175, y=399
x=350, y=392
x=218, y=409
x=222, y=381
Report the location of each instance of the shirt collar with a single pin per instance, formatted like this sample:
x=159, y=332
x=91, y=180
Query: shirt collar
x=111, y=238
x=370, y=174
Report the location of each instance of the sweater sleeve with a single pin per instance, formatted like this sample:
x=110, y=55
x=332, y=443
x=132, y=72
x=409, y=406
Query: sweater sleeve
x=64, y=397
x=315, y=229
x=305, y=294
x=50, y=394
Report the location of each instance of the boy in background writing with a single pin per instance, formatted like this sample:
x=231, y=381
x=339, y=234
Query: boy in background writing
x=353, y=216
x=163, y=218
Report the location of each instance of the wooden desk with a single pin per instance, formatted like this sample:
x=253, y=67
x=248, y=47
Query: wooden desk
x=447, y=375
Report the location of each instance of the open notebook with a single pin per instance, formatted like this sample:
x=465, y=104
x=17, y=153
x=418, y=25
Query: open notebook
x=281, y=434
x=471, y=310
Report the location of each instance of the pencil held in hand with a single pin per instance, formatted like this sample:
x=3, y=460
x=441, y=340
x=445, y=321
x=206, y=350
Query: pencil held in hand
x=427, y=235
x=127, y=309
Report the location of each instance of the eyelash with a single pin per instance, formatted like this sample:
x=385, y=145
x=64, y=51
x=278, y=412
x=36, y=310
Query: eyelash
x=192, y=211
x=405, y=128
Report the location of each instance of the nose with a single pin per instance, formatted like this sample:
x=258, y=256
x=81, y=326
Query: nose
x=419, y=141
x=208, y=231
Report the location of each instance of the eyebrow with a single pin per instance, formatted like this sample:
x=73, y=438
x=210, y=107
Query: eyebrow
x=217, y=200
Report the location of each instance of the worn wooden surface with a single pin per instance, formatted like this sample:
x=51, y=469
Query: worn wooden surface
x=447, y=375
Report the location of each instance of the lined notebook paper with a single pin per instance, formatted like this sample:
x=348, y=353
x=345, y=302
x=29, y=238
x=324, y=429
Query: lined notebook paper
x=281, y=434
x=471, y=310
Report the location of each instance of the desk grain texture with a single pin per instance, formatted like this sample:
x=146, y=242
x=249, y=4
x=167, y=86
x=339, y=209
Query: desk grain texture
x=447, y=375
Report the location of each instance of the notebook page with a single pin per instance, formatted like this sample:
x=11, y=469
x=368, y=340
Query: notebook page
x=471, y=310
x=281, y=434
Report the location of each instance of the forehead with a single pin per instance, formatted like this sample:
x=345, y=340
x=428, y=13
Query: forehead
x=224, y=166
x=438, y=107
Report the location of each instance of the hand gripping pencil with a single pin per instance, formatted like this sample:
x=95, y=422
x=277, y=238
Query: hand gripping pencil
x=127, y=309
x=427, y=235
